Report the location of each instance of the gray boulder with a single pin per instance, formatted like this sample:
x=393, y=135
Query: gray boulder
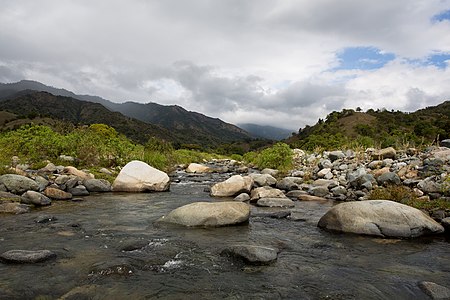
x=335, y=155
x=272, y=172
x=381, y=218
x=35, y=198
x=79, y=190
x=263, y=179
x=209, y=214
x=275, y=202
x=389, y=178
x=252, y=254
x=445, y=143
x=26, y=257
x=232, y=186
x=97, y=185
x=388, y=152
x=289, y=183
x=266, y=192
x=137, y=176
x=242, y=197
x=319, y=191
x=429, y=185
x=18, y=184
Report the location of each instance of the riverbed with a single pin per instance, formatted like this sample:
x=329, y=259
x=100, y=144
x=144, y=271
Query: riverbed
x=111, y=246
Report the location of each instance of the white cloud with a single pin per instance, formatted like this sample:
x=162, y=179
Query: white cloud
x=263, y=61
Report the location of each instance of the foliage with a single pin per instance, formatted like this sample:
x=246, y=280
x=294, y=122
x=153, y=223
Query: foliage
x=279, y=156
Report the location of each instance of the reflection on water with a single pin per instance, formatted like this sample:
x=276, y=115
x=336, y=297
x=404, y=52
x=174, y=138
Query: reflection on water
x=111, y=247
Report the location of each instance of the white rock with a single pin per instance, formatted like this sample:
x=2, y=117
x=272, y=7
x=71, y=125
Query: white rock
x=232, y=186
x=137, y=176
x=197, y=168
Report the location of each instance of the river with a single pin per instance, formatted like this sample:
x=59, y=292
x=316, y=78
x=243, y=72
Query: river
x=110, y=246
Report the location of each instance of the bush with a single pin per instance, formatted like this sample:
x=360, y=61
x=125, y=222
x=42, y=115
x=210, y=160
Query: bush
x=279, y=156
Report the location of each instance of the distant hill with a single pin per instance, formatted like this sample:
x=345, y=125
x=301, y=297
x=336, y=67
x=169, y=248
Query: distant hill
x=50, y=107
x=380, y=128
x=186, y=126
x=266, y=132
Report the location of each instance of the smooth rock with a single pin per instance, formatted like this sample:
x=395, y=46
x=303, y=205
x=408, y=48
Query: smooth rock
x=252, y=254
x=289, y=183
x=57, y=194
x=335, y=155
x=428, y=185
x=32, y=197
x=26, y=257
x=9, y=197
x=137, y=176
x=69, y=170
x=310, y=198
x=242, y=197
x=266, y=192
x=295, y=194
x=18, y=184
x=272, y=172
x=435, y=291
x=275, y=202
x=197, y=168
x=388, y=152
x=209, y=214
x=445, y=143
x=105, y=171
x=79, y=190
x=446, y=223
x=263, y=179
x=97, y=185
x=13, y=208
x=381, y=218
x=319, y=191
x=233, y=186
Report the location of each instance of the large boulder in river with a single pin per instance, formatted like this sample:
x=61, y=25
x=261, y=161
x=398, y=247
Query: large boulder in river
x=137, y=176
x=232, y=186
x=381, y=218
x=209, y=214
x=18, y=184
x=197, y=168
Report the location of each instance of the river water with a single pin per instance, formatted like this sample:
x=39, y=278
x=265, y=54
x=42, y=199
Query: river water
x=110, y=246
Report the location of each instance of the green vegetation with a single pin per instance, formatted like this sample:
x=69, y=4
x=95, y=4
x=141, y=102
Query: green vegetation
x=380, y=128
x=279, y=156
x=96, y=145
x=406, y=196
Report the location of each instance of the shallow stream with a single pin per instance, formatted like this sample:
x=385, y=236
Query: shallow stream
x=110, y=246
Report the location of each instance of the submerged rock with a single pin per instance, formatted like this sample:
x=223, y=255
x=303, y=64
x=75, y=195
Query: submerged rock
x=209, y=214
x=434, y=290
x=137, y=176
x=252, y=254
x=14, y=208
x=32, y=197
x=232, y=186
x=381, y=218
x=26, y=257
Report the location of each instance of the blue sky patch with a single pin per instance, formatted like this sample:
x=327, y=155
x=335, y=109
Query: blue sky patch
x=439, y=60
x=363, y=58
x=445, y=15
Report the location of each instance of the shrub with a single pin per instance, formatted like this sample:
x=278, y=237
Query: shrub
x=279, y=156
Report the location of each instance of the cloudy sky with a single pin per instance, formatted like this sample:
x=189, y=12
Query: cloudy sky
x=285, y=63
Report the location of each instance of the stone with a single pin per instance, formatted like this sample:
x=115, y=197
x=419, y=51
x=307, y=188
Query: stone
x=272, y=172
x=289, y=183
x=428, y=185
x=62, y=179
x=295, y=194
x=275, y=202
x=57, y=194
x=49, y=168
x=35, y=198
x=252, y=254
x=26, y=257
x=242, y=197
x=319, y=191
x=69, y=170
x=434, y=290
x=325, y=164
x=97, y=185
x=389, y=178
x=209, y=214
x=13, y=208
x=137, y=176
x=445, y=143
x=266, y=192
x=263, y=179
x=105, y=171
x=322, y=173
x=338, y=190
x=381, y=218
x=18, y=184
x=42, y=183
x=66, y=158
x=335, y=155
x=45, y=219
x=79, y=190
x=388, y=152
x=197, y=168
x=280, y=214
x=446, y=223
x=311, y=198
x=9, y=197
x=233, y=186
